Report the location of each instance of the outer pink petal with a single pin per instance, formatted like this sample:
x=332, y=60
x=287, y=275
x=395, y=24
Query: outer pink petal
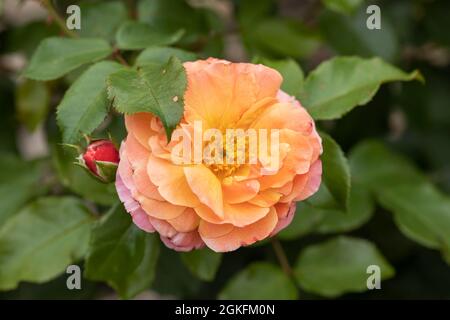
x=184, y=241
x=284, y=218
x=179, y=241
x=140, y=218
x=313, y=183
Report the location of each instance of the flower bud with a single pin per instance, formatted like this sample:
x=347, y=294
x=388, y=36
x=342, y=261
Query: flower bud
x=101, y=159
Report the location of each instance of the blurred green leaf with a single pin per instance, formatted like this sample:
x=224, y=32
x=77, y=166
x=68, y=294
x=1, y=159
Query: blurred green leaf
x=348, y=35
x=251, y=12
x=41, y=240
x=102, y=19
x=280, y=37
x=162, y=54
x=343, y=83
x=291, y=72
x=121, y=254
x=174, y=279
x=85, y=104
x=78, y=180
x=375, y=166
x=32, y=103
x=20, y=181
x=338, y=266
x=360, y=208
x=155, y=88
x=420, y=211
x=342, y=6
x=137, y=35
x=436, y=20
x=26, y=38
x=169, y=16
x=336, y=171
x=202, y=263
x=260, y=281
x=57, y=56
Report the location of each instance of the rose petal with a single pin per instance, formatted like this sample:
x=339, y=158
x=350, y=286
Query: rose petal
x=237, y=237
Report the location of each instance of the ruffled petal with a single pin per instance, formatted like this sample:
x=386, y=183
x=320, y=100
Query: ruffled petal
x=313, y=183
x=139, y=125
x=171, y=182
x=285, y=214
x=140, y=218
x=206, y=186
x=239, y=191
x=186, y=222
x=218, y=239
x=219, y=92
x=160, y=209
x=184, y=242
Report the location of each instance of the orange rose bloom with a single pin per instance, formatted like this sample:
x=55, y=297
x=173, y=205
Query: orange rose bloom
x=229, y=205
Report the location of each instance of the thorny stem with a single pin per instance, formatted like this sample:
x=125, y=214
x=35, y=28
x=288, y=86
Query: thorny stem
x=282, y=258
x=57, y=18
x=118, y=57
x=132, y=12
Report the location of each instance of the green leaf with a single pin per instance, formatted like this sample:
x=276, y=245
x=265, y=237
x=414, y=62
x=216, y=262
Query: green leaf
x=305, y=221
x=420, y=210
x=291, y=72
x=342, y=6
x=85, y=105
x=169, y=16
x=338, y=266
x=173, y=278
x=375, y=166
x=259, y=281
x=202, y=263
x=107, y=170
x=348, y=35
x=41, y=240
x=340, y=84
x=360, y=209
x=137, y=35
x=57, y=56
x=20, y=181
x=32, y=103
x=102, y=19
x=320, y=214
x=26, y=38
x=158, y=89
x=162, y=54
x=282, y=37
x=78, y=180
x=250, y=12
x=336, y=171
x=121, y=254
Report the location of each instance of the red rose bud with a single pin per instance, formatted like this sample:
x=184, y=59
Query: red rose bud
x=101, y=160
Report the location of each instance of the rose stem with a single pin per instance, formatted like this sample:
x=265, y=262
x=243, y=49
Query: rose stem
x=281, y=256
x=119, y=57
x=62, y=25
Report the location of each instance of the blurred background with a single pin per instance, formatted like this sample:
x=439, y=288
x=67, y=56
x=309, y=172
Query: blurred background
x=414, y=119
